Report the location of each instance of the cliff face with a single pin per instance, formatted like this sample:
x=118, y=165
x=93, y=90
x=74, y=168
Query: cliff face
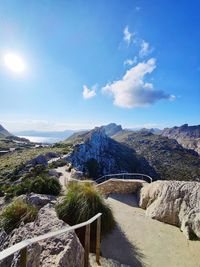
x=98, y=155
x=112, y=129
x=187, y=136
x=174, y=202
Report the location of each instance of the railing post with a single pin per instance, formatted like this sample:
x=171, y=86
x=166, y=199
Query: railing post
x=98, y=240
x=23, y=257
x=87, y=245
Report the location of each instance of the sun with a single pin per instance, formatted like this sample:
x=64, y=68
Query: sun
x=14, y=62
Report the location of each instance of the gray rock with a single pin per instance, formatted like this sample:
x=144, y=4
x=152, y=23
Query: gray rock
x=41, y=159
x=39, y=200
x=78, y=175
x=3, y=237
x=51, y=155
x=174, y=202
x=60, y=251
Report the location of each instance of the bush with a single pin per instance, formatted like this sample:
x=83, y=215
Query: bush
x=92, y=168
x=80, y=204
x=16, y=213
x=45, y=185
x=39, y=185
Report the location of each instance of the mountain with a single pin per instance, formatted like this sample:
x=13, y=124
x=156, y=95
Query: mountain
x=112, y=129
x=168, y=158
x=97, y=154
x=187, y=136
x=4, y=133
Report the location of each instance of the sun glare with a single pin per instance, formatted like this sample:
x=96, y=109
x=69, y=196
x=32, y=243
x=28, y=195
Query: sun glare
x=14, y=62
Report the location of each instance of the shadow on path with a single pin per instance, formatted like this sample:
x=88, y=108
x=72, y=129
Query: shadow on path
x=128, y=199
x=116, y=246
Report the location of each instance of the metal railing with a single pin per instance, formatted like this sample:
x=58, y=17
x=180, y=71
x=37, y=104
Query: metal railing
x=22, y=246
x=124, y=176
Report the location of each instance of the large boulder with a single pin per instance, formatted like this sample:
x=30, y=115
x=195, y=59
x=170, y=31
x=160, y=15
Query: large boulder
x=64, y=250
x=174, y=202
x=39, y=200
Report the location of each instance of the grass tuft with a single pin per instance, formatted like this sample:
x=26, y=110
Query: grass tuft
x=16, y=213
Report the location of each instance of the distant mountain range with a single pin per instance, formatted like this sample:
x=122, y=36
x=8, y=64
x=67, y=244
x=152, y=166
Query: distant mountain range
x=153, y=154
x=187, y=136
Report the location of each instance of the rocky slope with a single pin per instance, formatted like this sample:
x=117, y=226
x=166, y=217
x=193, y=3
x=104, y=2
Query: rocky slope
x=3, y=132
x=111, y=129
x=175, y=203
x=60, y=251
x=97, y=154
x=169, y=159
x=187, y=136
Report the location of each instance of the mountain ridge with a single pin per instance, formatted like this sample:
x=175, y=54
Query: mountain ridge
x=187, y=136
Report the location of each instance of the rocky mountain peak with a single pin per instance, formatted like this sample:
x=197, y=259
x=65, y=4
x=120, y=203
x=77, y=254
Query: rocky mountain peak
x=112, y=129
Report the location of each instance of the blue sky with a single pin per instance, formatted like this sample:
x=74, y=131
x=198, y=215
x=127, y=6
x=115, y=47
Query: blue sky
x=87, y=63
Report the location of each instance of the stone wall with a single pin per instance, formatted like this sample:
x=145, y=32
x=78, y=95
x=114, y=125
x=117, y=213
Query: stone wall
x=120, y=186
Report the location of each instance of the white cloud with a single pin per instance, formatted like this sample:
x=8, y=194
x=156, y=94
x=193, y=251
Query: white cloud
x=128, y=36
x=144, y=49
x=130, y=62
x=89, y=93
x=132, y=91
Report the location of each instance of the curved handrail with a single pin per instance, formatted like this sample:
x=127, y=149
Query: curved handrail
x=23, y=244
x=123, y=175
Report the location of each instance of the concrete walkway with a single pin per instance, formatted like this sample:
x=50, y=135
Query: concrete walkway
x=140, y=241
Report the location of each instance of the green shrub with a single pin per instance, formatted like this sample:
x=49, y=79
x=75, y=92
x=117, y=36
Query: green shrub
x=92, y=168
x=45, y=185
x=80, y=204
x=40, y=185
x=16, y=213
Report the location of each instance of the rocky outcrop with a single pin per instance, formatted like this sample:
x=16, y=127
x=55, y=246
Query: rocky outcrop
x=39, y=200
x=120, y=186
x=112, y=129
x=64, y=250
x=98, y=154
x=78, y=175
x=41, y=159
x=187, y=136
x=174, y=202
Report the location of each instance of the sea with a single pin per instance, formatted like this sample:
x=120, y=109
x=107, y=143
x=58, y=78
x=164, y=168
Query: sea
x=42, y=139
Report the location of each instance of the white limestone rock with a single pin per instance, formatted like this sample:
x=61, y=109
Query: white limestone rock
x=174, y=202
x=60, y=251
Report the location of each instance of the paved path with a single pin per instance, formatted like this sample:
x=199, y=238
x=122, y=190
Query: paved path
x=140, y=241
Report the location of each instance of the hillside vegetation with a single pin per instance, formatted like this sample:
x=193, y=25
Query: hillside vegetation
x=170, y=160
